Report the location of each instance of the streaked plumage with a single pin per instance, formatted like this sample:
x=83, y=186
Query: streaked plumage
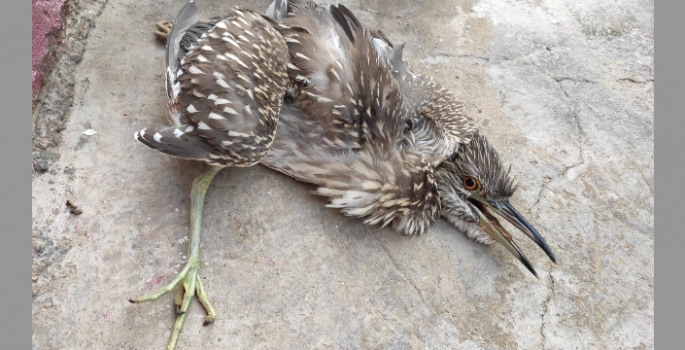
x=382, y=142
x=225, y=83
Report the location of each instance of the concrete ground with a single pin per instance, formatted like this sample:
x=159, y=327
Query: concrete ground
x=564, y=89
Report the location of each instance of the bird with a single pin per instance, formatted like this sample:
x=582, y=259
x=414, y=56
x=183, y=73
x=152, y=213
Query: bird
x=380, y=141
x=225, y=83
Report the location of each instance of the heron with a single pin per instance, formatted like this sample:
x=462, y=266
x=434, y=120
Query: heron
x=380, y=141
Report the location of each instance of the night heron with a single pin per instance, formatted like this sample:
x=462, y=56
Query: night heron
x=382, y=142
x=225, y=84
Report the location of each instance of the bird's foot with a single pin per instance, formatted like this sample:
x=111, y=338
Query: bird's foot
x=163, y=30
x=190, y=285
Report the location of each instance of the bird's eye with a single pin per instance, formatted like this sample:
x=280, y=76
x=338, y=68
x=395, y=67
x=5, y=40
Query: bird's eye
x=470, y=183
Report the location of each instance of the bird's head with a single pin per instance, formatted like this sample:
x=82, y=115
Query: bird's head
x=471, y=184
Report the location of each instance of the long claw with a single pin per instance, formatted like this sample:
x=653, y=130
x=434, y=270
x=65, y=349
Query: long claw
x=202, y=297
x=163, y=30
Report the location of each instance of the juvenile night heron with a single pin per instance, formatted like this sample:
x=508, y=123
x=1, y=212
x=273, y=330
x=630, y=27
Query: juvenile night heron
x=225, y=83
x=381, y=142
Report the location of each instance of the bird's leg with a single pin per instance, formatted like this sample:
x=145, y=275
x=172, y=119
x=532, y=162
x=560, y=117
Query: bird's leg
x=163, y=30
x=188, y=280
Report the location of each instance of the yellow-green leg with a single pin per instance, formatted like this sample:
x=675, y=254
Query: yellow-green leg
x=188, y=280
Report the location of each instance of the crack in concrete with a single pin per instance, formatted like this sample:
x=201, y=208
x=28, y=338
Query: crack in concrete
x=570, y=100
x=632, y=80
x=545, y=307
x=574, y=113
x=537, y=201
x=397, y=267
x=559, y=80
x=581, y=134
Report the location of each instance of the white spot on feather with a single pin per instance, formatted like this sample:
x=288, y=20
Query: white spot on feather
x=237, y=134
x=195, y=70
x=231, y=41
x=230, y=110
x=222, y=83
x=233, y=57
x=297, y=54
x=244, y=21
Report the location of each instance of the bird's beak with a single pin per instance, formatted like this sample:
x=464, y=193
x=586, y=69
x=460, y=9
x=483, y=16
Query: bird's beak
x=506, y=210
x=491, y=225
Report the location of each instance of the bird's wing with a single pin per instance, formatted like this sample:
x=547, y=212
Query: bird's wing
x=231, y=87
x=434, y=117
x=381, y=181
x=320, y=70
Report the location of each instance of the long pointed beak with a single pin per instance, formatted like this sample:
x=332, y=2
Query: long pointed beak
x=507, y=211
x=491, y=225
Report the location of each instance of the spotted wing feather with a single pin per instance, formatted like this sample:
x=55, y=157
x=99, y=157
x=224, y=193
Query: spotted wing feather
x=231, y=87
x=320, y=71
x=380, y=181
x=436, y=124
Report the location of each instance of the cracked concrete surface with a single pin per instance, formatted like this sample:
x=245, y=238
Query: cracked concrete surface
x=564, y=89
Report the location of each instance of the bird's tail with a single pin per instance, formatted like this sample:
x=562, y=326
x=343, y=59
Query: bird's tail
x=185, y=19
x=181, y=141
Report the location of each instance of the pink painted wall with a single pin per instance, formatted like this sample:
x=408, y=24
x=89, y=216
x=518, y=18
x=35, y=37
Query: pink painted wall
x=46, y=18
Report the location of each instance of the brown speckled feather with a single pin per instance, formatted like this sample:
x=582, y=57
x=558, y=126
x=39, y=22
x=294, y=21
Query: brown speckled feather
x=227, y=95
x=321, y=74
x=380, y=181
x=436, y=122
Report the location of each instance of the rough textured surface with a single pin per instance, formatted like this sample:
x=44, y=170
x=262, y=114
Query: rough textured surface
x=52, y=105
x=46, y=23
x=565, y=90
